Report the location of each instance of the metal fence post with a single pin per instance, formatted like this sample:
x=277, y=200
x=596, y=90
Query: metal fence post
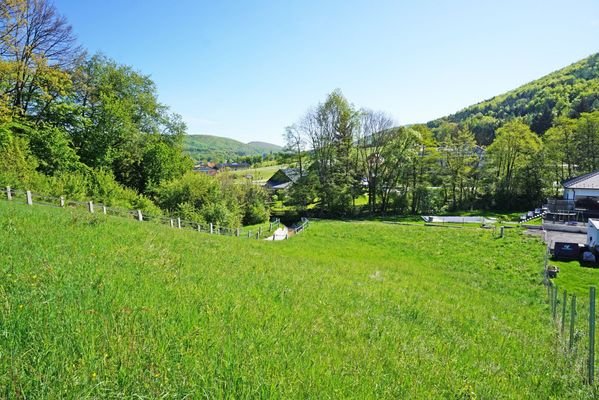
x=8, y=193
x=554, y=303
x=572, y=321
x=564, y=303
x=592, y=335
x=29, y=199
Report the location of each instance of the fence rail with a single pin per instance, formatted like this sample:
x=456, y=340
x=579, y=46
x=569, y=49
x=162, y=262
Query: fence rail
x=31, y=198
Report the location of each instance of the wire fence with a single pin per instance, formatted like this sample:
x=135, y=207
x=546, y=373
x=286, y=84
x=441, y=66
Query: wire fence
x=31, y=198
x=574, y=320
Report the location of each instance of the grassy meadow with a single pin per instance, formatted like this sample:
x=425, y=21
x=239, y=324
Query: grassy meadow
x=100, y=307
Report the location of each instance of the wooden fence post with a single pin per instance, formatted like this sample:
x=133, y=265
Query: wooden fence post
x=564, y=303
x=259, y=231
x=572, y=321
x=592, y=335
x=199, y=228
x=104, y=210
x=270, y=227
x=178, y=222
x=140, y=216
x=237, y=233
x=211, y=228
x=249, y=234
x=8, y=193
x=501, y=231
x=62, y=201
x=90, y=206
x=29, y=199
x=172, y=223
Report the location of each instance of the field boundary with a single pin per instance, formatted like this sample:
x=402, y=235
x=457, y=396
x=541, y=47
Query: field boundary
x=575, y=342
x=30, y=198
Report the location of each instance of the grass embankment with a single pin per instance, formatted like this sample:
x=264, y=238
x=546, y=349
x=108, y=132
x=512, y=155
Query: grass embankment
x=575, y=278
x=103, y=307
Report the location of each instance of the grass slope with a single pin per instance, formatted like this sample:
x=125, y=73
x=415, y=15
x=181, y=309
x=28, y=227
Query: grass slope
x=102, y=307
x=215, y=148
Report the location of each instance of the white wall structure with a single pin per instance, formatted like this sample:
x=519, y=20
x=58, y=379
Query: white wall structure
x=593, y=233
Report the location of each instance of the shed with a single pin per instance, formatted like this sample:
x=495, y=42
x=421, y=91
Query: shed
x=283, y=179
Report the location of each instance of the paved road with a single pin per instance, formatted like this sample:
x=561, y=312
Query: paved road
x=279, y=234
x=556, y=236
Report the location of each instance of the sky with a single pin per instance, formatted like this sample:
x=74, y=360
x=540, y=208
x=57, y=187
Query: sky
x=247, y=69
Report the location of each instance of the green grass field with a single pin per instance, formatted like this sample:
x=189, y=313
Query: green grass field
x=97, y=307
x=259, y=175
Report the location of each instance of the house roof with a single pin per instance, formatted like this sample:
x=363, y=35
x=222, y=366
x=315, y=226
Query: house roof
x=283, y=178
x=292, y=173
x=285, y=175
x=587, y=181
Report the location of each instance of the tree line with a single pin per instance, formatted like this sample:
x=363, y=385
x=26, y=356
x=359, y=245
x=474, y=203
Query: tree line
x=346, y=154
x=91, y=127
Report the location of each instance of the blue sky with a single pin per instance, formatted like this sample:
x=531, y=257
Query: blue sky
x=247, y=69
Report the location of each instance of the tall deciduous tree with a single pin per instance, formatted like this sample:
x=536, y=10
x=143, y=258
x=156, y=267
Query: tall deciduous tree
x=38, y=45
x=330, y=128
x=374, y=137
x=586, y=140
x=515, y=148
x=459, y=160
x=296, y=143
x=123, y=127
x=560, y=151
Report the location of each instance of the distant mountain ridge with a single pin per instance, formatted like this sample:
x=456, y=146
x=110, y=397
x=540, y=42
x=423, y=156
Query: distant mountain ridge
x=568, y=92
x=219, y=149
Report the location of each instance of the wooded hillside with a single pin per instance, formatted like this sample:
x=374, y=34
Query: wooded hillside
x=220, y=149
x=568, y=92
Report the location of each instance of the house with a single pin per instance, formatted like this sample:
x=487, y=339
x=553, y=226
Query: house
x=205, y=169
x=582, y=187
x=234, y=166
x=580, y=200
x=283, y=179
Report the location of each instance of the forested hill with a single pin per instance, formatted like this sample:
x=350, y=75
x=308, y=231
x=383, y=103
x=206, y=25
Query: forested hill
x=567, y=92
x=219, y=149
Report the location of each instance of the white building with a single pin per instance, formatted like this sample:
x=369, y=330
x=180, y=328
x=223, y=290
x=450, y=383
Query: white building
x=593, y=233
x=582, y=186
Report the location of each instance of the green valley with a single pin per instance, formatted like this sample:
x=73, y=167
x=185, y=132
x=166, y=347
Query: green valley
x=94, y=306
